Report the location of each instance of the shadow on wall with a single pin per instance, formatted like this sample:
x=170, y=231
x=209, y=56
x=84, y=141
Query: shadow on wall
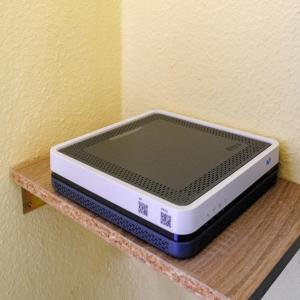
x=60, y=77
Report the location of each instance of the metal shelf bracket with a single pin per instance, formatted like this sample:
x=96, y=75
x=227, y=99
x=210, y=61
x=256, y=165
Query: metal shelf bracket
x=30, y=201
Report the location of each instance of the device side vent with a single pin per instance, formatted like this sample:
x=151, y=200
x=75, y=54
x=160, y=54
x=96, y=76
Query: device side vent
x=109, y=214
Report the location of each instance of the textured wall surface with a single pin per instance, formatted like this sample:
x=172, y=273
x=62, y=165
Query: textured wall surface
x=232, y=62
x=60, y=77
x=229, y=62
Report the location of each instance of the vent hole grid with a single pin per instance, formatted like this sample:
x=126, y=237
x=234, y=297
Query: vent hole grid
x=190, y=192
x=109, y=215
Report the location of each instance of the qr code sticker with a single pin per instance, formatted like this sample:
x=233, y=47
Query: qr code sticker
x=165, y=219
x=143, y=208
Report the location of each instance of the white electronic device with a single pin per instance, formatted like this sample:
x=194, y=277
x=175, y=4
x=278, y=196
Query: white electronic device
x=177, y=180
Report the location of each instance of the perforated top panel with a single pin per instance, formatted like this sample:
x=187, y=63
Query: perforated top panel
x=171, y=158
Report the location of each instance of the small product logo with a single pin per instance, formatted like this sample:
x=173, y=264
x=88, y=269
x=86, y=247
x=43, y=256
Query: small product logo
x=268, y=161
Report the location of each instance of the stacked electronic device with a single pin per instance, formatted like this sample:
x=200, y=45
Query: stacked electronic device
x=172, y=181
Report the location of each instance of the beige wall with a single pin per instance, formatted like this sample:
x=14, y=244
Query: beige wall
x=60, y=61
x=232, y=62
x=60, y=77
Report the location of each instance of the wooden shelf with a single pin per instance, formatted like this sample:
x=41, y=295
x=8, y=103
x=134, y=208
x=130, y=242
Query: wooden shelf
x=232, y=266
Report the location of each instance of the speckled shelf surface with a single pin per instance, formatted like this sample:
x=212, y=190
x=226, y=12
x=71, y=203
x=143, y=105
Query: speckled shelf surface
x=232, y=266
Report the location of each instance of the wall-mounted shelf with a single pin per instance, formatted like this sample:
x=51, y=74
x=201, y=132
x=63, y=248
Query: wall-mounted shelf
x=233, y=266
